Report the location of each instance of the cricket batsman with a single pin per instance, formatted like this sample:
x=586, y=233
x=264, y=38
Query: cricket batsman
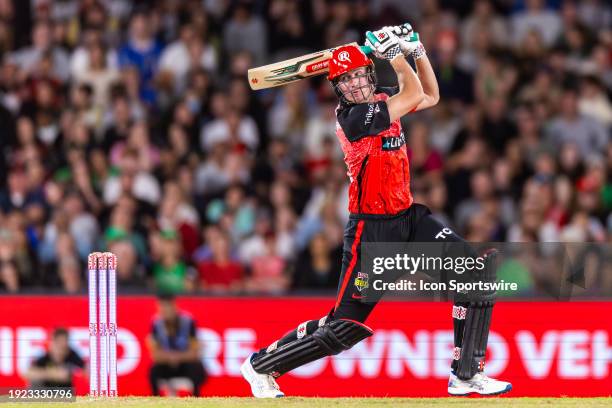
x=381, y=210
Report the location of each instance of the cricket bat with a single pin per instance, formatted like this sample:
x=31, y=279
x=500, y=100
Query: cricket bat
x=291, y=70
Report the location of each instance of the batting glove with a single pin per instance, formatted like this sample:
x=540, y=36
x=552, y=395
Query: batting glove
x=384, y=43
x=402, y=31
x=408, y=40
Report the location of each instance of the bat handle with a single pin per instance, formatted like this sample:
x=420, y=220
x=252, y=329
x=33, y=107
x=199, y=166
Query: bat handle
x=370, y=36
x=366, y=49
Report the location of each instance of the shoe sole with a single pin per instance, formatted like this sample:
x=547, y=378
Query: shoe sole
x=245, y=370
x=470, y=393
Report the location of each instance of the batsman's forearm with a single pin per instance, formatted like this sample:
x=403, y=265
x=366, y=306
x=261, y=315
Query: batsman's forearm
x=410, y=93
x=406, y=78
x=428, y=79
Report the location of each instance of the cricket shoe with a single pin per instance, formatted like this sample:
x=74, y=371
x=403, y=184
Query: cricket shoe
x=262, y=385
x=478, y=384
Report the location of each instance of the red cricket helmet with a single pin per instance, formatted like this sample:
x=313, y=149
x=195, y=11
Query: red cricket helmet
x=346, y=58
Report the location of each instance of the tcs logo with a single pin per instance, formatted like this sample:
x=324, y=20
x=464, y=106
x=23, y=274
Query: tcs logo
x=444, y=233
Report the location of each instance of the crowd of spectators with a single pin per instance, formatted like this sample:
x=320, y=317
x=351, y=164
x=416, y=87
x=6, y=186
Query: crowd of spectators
x=129, y=126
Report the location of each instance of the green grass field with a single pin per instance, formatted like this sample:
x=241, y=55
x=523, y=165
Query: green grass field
x=295, y=402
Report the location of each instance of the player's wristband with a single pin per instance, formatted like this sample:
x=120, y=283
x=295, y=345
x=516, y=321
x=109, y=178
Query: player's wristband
x=418, y=52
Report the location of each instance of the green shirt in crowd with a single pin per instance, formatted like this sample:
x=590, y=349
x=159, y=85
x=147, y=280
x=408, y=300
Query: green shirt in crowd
x=170, y=279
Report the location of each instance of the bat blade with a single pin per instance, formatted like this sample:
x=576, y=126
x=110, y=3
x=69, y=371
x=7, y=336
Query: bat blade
x=291, y=70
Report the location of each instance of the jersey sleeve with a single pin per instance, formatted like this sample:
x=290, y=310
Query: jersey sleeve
x=389, y=90
x=365, y=119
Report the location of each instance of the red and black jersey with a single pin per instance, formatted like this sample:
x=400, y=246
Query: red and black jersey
x=376, y=156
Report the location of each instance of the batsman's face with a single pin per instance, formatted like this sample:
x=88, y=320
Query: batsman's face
x=355, y=85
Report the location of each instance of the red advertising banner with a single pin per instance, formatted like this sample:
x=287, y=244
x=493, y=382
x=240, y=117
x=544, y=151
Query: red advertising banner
x=543, y=348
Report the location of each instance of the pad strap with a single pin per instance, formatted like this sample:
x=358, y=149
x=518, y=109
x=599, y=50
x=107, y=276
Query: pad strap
x=473, y=322
x=329, y=339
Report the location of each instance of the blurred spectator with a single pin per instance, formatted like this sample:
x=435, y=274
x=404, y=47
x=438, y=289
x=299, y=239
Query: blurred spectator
x=235, y=212
x=42, y=47
x=284, y=229
x=141, y=51
x=570, y=126
x=221, y=273
x=496, y=127
x=170, y=274
x=82, y=225
x=84, y=109
x=483, y=192
x=536, y=17
x=139, y=143
x=288, y=116
x=437, y=202
x=177, y=213
x=119, y=122
x=82, y=57
x=219, y=171
x=128, y=244
x=287, y=25
x=268, y=269
x=204, y=252
x=99, y=74
x=15, y=196
x=455, y=83
x=9, y=272
x=460, y=166
x=532, y=225
x=425, y=161
x=242, y=28
x=132, y=179
x=319, y=266
x=482, y=25
x=175, y=348
x=55, y=369
x=320, y=130
x=187, y=53
x=69, y=270
x=594, y=102
x=234, y=128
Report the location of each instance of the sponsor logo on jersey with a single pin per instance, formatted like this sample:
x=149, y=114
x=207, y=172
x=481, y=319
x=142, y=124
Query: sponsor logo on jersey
x=373, y=109
x=393, y=143
x=445, y=232
x=361, y=281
